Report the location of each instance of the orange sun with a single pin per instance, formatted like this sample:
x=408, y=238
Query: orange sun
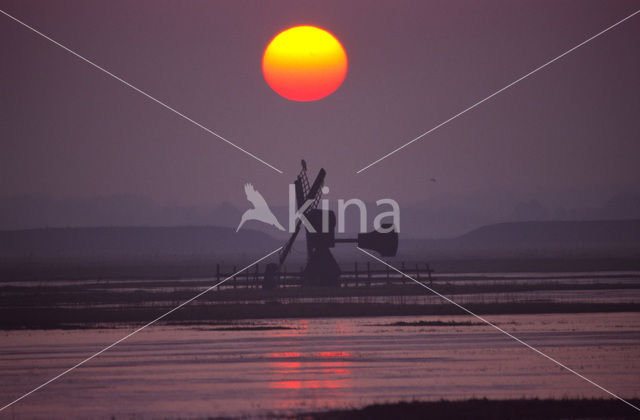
x=304, y=63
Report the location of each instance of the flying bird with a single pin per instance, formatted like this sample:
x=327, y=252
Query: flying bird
x=260, y=210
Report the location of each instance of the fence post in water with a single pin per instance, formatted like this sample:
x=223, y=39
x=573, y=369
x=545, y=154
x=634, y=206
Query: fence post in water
x=404, y=279
x=218, y=276
x=257, y=276
x=417, y=272
x=235, y=278
x=284, y=276
x=355, y=273
x=429, y=271
x=388, y=271
x=368, y=274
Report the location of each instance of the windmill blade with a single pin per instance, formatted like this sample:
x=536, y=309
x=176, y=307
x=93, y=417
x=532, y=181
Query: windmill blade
x=300, y=192
x=315, y=190
x=287, y=247
x=314, y=194
x=304, y=193
x=303, y=180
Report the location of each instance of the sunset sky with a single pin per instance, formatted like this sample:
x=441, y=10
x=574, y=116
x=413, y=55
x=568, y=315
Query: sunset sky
x=68, y=129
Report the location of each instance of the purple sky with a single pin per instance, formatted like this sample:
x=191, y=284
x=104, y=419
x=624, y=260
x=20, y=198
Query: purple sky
x=69, y=130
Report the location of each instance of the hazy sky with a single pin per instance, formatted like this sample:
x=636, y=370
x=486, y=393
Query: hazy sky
x=69, y=130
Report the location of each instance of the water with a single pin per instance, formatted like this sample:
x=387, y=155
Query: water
x=200, y=371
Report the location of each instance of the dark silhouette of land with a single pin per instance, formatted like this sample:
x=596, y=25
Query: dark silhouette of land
x=567, y=239
x=596, y=233
x=81, y=318
x=481, y=409
x=129, y=242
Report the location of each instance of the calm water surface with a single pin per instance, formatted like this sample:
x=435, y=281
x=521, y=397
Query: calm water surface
x=199, y=371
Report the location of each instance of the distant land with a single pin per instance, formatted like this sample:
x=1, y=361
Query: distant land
x=559, y=238
x=614, y=238
x=585, y=233
x=132, y=242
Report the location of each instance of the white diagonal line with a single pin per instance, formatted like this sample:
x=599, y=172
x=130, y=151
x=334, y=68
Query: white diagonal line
x=497, y=92
x=137, y=331
x=140, y=91
x=500, y=329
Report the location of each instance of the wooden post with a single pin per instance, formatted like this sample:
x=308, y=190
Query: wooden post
x=429, y=271
x=257, y=276
x=417, y=272
x=404, y=279
x=368, y=274
x=284, y=276
x=355, y=273
x=388, y=271
x=218, y=276
x=235, y=278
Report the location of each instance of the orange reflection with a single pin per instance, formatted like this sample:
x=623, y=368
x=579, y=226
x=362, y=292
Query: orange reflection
x=285, y=355
x=290, y=365
x=328, y=384
x=304, y=372
x=285, y=367
x=318, y=370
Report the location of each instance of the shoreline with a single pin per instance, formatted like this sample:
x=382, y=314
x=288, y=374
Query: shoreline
x=25, y=318
x=482, y=409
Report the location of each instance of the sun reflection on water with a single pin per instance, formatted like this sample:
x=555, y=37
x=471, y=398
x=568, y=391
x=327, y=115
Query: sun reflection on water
x=312, y=370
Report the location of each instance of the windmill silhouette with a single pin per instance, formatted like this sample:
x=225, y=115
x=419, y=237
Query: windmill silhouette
x=260, y=211
x=322, y=269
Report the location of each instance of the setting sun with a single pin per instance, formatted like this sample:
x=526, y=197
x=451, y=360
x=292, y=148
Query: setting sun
x=304, y=63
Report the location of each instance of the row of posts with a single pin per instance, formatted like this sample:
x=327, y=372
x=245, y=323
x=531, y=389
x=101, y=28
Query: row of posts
x=368, y=277
x=253, y=277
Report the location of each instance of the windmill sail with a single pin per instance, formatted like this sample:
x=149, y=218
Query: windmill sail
x=304, y=192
